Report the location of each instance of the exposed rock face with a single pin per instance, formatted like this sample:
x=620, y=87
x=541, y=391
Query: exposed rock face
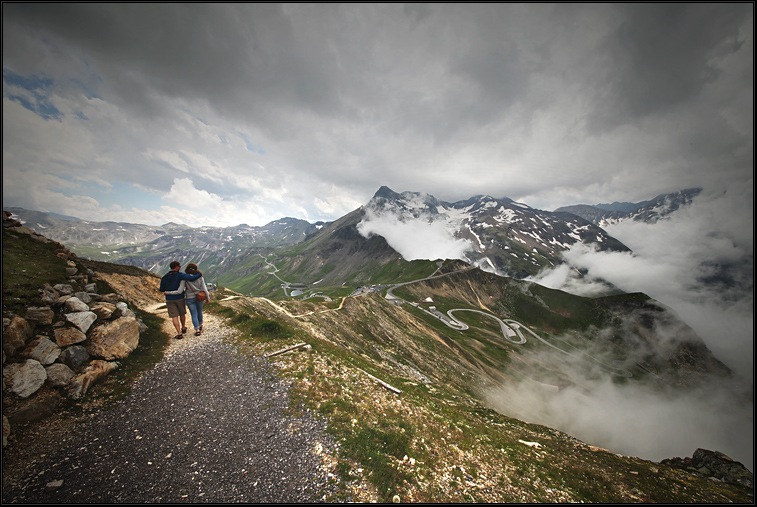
x=114, y=340
x=714, y=464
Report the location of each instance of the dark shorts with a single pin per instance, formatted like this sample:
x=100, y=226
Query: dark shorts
x=176, y=308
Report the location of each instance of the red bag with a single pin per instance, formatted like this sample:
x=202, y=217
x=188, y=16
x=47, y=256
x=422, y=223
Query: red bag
x=201, y=296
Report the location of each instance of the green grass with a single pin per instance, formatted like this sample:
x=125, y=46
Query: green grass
x=28, y=265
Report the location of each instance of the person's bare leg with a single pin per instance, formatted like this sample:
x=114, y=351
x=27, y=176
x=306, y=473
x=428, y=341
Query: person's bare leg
x=176, y=325
x=183, y=323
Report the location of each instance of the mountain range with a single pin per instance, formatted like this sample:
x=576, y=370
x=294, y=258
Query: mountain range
x=646, y=211
x=497, y=234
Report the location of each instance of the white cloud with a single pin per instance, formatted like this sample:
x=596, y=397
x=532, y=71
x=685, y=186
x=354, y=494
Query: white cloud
x=414, y=239
x=699, y=262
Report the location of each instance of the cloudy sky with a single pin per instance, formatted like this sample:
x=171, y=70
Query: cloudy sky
x=210, y=114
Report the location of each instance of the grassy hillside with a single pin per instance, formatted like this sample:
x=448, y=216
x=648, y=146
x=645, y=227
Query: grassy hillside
x=435, y=441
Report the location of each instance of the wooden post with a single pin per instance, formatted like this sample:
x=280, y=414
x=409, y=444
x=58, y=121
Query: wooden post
x=287, y=349
x=382, y=383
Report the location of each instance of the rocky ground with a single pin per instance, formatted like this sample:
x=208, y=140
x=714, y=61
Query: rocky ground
x=203, y=425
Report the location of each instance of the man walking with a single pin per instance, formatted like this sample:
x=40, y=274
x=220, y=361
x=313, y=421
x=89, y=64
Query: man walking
x=177, y=308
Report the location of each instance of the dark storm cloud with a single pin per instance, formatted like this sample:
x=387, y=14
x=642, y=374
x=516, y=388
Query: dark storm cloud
x=661, y=56
x=549, y=104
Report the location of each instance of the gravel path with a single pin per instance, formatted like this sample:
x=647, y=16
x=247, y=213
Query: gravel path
x=203, y=425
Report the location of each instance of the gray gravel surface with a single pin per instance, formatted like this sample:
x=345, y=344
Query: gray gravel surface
x=203, y=425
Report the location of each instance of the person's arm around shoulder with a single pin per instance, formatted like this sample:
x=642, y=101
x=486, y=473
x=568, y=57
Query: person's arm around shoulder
x=189, y=278
x=178, y=291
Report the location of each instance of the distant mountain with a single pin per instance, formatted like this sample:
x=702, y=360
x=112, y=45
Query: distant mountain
x=645, y=211
x=154, y=247
x=505, y=236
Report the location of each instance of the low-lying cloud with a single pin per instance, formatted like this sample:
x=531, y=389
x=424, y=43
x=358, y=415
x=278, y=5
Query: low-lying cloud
x=699, y=262
x=420, y=238
x=651, y=424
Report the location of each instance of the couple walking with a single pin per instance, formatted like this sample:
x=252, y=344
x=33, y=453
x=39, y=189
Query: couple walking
x=184, y=290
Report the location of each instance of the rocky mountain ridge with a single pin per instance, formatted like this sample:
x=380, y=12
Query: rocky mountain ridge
x=502, y=235
x=650, y=211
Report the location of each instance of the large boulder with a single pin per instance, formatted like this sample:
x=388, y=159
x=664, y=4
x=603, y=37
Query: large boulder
x=114, y=340
x=82, y=320
x=16, y=335
x=24, y=379
x=65, y=336
x=42, y=349
x=93, y=373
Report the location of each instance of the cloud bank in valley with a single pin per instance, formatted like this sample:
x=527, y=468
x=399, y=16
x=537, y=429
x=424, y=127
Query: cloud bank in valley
x=636, y=421
x=699, y=262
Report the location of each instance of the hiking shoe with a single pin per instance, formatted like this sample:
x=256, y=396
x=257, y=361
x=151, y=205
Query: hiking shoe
x=197, y=333
x=178, y=337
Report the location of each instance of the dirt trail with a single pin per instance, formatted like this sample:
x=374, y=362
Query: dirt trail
x=203, y=425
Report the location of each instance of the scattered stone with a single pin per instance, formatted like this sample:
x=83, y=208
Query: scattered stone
x=59, y=374
x=125, y=311
x=93, y=373
x=66, y=336
x=64, y=289
x=24, y=379
x=76, y=305
x=49, y=295
x=55, y=484
x=74, y=357
x=82, y=320
x=16, y=335
x=91, y=288
x=83, y=297
x=115, y=339
x=42, y=349
x=110, y=298
x=103, y=310
x=42, y=315
x=71, y=271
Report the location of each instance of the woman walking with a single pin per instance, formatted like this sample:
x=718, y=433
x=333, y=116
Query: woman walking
x=197, y=294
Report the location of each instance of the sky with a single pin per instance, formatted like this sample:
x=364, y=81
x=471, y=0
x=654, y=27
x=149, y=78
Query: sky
x=222, y=114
